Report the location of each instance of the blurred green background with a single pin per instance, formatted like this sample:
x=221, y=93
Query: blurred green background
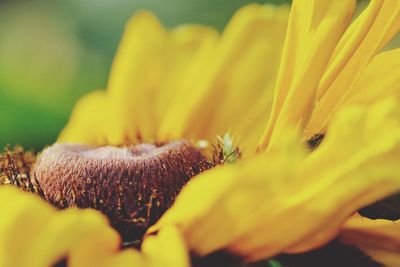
x=52, y=52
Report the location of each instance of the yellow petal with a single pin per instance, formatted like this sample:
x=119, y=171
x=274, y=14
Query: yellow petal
x=349, y=44
x=135, y=76
x=167, y=249
x=314, y=29
x=349, y=170
x=361, y=150
x=151, y=67
x=380, y=79
x=34, y=234
x=380, y=239
x=148, y=71
x=234, y=82
x=20, y=219
x=245, y=208
x=223, y=204
x=372, y=31
x=87, y=121
x=125, y=258
x=190, y=46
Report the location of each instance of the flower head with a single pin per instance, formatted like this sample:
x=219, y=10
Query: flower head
x=332, y=91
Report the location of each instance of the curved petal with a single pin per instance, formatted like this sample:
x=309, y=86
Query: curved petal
x=149, y=68
x=380, y=79
x=232, y=89
x=125, y=258
x=166, y=249
x=220, y=205
x=380, y=239
x=362, y=148
x=135, y=77
x=247, y=206
x=350, y=169
x=314, y=29
x=35, y=234
x=364, y=39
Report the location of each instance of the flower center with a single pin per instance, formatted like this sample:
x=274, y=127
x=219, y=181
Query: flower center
x=132, y=185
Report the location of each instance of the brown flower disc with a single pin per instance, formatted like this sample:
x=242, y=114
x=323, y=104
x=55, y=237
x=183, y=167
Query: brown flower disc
x=132, y=185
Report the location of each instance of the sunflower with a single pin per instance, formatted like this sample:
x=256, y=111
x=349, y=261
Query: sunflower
x=298, y=163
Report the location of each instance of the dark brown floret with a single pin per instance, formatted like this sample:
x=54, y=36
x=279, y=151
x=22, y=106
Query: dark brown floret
x=15, y=167
x=132, y=185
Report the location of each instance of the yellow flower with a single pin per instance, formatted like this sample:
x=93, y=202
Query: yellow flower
x=332, y=87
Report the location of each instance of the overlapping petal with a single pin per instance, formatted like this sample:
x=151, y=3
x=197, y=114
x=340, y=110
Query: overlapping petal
x=379, y=79
x=362, y=41
x=151, y=67
x=233, y=89
x=303, y=199
x=187, y=83
x=168, y=248
x=314, y=29
x=35, y=234
x=312, y=85
x=365, y=159
x=380, y=239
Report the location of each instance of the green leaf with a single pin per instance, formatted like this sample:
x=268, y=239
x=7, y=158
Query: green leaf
x=274, y=263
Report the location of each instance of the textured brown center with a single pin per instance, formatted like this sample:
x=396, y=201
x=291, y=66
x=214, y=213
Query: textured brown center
x=133, y=185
